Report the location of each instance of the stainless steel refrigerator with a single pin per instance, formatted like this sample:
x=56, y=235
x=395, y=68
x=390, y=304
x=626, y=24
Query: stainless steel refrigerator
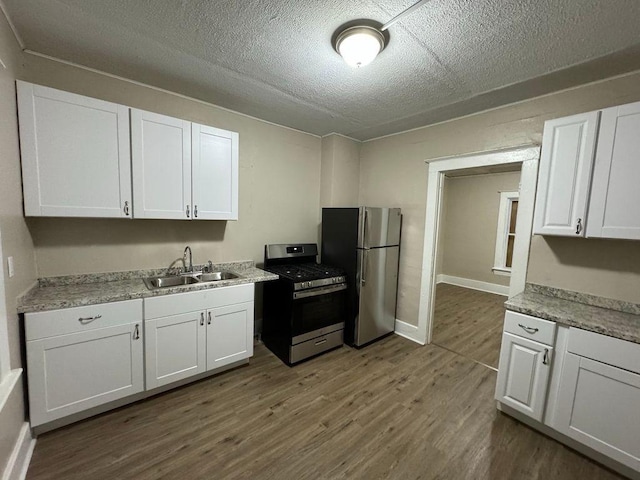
x=365, y=243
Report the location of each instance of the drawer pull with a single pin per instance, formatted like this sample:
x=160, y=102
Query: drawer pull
x=320, y=342
x=201, y=318
x=136, y=332
x=85, y=320
x=528, y=329
x=209, y=320
x=545, y=357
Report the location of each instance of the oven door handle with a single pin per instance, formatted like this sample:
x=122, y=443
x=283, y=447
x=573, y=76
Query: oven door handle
x=320, y=291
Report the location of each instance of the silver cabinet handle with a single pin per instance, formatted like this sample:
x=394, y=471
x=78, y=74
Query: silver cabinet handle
x=188, y=211
x=528, y=329
x=201, y=318
x=579, y=226
x=320, y=342
x=545, y=357
x=126, y=208
x=136, y=332
x=195, y=211
x=209, y=319
x=85, y=320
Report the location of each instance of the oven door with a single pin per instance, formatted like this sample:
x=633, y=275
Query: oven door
x=318, y=311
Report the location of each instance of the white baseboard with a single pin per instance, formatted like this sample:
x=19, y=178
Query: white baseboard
x=474, y=284
x=21, y=456
x=407, y=331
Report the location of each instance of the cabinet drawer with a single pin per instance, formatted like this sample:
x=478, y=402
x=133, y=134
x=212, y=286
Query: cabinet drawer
x=177, y=303
x=602, y=348
x=542, y=331
x=80, y=319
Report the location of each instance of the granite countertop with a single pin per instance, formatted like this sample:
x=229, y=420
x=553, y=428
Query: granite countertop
x=78, y=290
x=597, y=314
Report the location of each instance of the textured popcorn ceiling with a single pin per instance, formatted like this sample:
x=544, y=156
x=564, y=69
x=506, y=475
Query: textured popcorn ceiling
x=273, y=59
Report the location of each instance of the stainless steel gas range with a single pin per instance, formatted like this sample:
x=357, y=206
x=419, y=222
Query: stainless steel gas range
x=305, y=310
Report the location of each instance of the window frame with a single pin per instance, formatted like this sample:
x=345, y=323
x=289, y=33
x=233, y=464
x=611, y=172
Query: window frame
x=502, y=234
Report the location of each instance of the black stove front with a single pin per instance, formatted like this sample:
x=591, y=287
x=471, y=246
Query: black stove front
x=304, y=311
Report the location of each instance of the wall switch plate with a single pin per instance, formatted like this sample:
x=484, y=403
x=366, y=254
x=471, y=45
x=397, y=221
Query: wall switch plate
x=12, y=271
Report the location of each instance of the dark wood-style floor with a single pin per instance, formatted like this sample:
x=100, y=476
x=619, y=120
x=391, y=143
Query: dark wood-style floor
x=394, y=410
x=469, y=322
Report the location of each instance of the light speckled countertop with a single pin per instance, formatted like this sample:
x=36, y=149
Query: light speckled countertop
x=77, y=290
x=597, y=314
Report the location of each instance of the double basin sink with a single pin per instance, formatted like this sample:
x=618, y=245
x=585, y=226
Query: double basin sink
x=153, y=283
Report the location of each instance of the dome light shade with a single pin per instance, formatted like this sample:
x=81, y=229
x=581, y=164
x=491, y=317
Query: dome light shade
x=359, y=45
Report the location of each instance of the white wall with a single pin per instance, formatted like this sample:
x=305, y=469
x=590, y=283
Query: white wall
x=16, y=242
x=340, y=174
x=393, y=172
x=470, y=223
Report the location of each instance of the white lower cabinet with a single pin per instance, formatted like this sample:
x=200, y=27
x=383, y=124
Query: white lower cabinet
x=86, y=357
x=593, y=396
x=599, y=403
x=205, y=330
x=80, y=358
x=229, y=334
x=175, y=348
x=523, y=375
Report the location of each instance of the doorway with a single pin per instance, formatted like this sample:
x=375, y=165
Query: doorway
x=527, y=157
x=474, y=259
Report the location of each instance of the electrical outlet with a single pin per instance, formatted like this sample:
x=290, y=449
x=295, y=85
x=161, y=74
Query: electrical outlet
x=12, y=271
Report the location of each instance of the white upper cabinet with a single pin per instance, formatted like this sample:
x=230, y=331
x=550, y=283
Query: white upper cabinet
x=215, y=173
x=83, y=157
x=161, y=156
x=615, y=196
x=568, y=148
x=183, y=170
x=75, y=154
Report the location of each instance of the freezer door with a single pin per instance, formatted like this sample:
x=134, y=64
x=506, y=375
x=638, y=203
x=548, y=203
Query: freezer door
x=378, y=227
x=378, y=287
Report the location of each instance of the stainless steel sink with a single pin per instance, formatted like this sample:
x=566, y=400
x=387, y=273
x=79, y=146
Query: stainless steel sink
x=216, y=276
x=179, y=280
x=170, y=281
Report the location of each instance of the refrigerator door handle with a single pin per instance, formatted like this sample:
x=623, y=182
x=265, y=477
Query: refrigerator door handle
x=363, y=279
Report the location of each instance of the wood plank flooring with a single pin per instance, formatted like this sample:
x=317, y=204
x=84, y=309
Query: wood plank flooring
x=469, y=322
x=393, y=410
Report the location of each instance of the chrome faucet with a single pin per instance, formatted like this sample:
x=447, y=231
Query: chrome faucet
x=210, y=266
x=184, y=259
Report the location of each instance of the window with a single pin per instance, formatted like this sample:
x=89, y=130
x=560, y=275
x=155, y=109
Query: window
x=506, y=234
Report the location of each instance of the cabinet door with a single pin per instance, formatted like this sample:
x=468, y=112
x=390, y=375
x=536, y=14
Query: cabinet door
x=174, y=348
x=523, y=375
x=229, y=334
x=75, y=154
x=161, y=158
x=568, y=147
x=215, y=173
x=615, y=196
x=71, y=373
x=598, y=406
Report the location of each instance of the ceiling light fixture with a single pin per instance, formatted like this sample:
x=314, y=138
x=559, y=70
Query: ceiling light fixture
x=359, y=42
x=359, y=45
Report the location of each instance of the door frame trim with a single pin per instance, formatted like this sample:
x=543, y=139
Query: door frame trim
x=528, y=156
